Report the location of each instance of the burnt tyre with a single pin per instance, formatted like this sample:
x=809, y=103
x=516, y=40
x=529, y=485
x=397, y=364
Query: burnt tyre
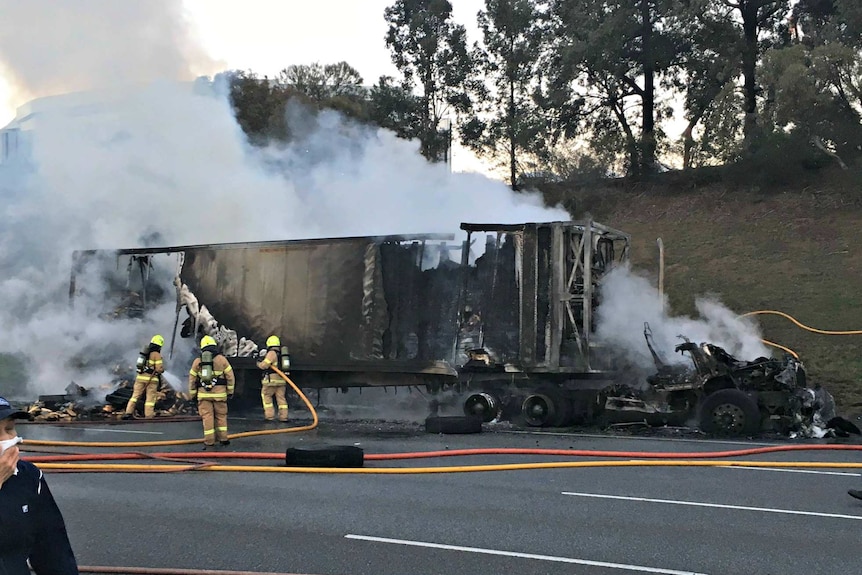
x=484, y=405
x=729, y=412
x=325, y=456
x=546, y=409
x=453, y=424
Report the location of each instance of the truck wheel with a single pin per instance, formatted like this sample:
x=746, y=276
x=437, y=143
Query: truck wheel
x=729, y=412
x=484, y=405
x=326, y=456
x=452, y=424
x=547, y=408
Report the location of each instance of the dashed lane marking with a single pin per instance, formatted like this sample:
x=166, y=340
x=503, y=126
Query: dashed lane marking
x=795, y=470
x=552, y=558
x=715, y=505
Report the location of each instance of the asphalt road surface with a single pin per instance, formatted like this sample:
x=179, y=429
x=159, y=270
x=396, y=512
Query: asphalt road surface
x=602, y=521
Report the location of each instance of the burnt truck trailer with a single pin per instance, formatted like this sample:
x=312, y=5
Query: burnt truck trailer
x=509, y=332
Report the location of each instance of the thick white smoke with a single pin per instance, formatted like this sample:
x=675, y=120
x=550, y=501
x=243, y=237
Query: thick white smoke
x=628, y=300
x=49, y=47
x=166, y=163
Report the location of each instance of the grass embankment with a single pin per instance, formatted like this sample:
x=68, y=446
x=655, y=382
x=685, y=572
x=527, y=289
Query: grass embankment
x=796, y=249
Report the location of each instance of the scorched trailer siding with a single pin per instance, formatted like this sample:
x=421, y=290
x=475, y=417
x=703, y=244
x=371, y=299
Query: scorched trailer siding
x=394, y=310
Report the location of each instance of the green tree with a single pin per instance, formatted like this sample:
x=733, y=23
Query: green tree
x=331, y=86
x=759, y=24
x=393, y=106
x=710, y=63
x=429, y=48
x=258, y=105
x=323, y=82
x=612, y=55
x=815, y=80
x=806, y=103
x=508, y=123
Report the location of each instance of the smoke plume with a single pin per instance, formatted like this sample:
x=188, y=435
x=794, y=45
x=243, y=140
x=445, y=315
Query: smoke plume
x=629, y=300
x=145, y=158
x=50, y=47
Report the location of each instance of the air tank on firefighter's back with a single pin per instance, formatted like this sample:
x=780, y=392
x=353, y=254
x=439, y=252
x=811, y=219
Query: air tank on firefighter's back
x=285, y=359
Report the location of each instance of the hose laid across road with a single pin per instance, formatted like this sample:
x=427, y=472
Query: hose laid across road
x=135, y=468
x=453, y=453
x=192, y=462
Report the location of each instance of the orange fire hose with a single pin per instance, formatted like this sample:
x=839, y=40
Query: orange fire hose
x=451, y=453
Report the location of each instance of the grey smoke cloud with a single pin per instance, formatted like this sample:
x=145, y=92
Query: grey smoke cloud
x=145, y=157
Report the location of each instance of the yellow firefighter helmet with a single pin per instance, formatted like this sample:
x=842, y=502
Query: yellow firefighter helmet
x=207, y=341
x=273, y=341
x=158, y=340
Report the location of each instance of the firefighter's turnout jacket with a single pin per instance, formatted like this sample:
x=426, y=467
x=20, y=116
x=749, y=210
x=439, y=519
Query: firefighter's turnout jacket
x=272, y=386
x=147, y=383
x=212, y=399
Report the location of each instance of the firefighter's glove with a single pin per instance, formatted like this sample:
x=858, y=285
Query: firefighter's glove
x=261, y=354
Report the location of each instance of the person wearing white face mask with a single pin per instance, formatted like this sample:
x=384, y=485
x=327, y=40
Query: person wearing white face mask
x=31, y=525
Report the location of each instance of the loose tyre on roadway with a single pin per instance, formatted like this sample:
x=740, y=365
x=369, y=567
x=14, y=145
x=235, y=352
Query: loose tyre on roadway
x=324, y=456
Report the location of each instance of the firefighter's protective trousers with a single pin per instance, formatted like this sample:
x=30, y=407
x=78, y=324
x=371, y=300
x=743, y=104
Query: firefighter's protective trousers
x=276, y=391
x=212, y=407
x=147, y=384
x=272, y=386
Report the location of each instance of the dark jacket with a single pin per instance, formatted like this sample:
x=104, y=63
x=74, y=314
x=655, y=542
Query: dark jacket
x=31, y=527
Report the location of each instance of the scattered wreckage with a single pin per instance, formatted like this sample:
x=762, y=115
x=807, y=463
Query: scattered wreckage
x=106, y=403
x=722, y=395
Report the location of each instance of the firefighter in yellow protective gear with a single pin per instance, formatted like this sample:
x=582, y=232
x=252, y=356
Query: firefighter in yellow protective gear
x=272, y=384
x=211, y=383
x=150, y=368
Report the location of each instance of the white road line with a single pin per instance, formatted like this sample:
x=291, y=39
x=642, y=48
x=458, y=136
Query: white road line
x=553, y=558
x=119, y=431
x=794, y=470
x=716, y=505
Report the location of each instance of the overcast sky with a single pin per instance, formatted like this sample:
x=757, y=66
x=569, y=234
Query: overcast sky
x=266, y=36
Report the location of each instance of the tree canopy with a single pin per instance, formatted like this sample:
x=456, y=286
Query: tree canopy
x=628, y=87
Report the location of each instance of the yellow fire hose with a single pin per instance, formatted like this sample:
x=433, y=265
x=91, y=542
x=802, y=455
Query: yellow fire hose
x=799, y=324
x=302, y=396
x=138, y=468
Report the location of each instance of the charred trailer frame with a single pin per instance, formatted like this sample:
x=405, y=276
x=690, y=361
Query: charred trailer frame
x=510, y=331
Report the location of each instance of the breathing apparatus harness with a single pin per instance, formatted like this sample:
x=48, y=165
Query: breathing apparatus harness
x=207, y=376
x=143, y=363
x=282, y=360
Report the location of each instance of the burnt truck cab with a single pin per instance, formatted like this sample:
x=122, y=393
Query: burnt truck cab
x=719, y=393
